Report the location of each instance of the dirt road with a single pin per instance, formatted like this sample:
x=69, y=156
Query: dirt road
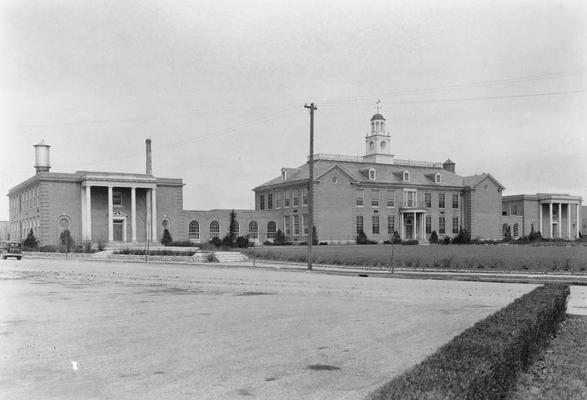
x=99, y=330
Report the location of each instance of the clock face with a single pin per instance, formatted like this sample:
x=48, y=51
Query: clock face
x=371, y=145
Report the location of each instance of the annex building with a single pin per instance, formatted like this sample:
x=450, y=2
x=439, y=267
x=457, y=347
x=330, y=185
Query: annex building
x=376, y=193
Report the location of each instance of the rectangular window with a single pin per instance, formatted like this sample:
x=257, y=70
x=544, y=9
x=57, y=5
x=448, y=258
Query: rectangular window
x=514, y=209
x=277, y=199
x=261, y=202
x=375, y=224
x=409, y=198
x=304, y=197
x=441, y=226
x=305, y=223
x=296, y=198
x=287, y=225
x=428, y=224
x=390, y=225
x=270, y=201
x=116, y=198
x=455, y=200
x=374, y=198
x=360, y=197
x=441, y=200
x=359, y=224
x=390, y=198
x=286, y=198
x=296, y=224
x=455, y=224
x=428, y=200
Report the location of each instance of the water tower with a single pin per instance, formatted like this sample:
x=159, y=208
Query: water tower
x=42, y=157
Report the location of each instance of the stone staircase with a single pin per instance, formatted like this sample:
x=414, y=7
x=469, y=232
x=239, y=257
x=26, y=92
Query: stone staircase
x=229, y=256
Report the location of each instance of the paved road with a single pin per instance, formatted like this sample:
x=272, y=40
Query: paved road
x=80, y=329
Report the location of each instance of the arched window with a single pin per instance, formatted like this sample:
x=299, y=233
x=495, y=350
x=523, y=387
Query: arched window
x=271, y=230
x=214, y=229
x=515, y=230
x=194, y=230
x=253, y=230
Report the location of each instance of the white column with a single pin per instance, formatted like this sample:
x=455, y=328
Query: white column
x=89, y=212
x=83, y=202
x=154, y=213
x=569, y=220
x=550, y=220
x=148, y=215
x=401, y=226
x=110, y=216
x=540, y=218
x=423, y=226
x=560, y=220
x=415, y=224
x=133, y=211
x=578, y=219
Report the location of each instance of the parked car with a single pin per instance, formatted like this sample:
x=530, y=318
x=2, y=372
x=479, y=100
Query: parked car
x=11, y=249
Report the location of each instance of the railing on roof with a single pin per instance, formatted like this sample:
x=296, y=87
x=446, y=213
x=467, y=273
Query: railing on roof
x=412, y=163
x=405, y=163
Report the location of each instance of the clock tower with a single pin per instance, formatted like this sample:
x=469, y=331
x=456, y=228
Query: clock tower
x=378, y=142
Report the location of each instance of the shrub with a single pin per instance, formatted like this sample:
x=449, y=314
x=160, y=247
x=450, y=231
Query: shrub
x=66, y=241
x=48, y=248
x=410, y=242
x=446, y=240
x=216, y=242
x=433, y=237
x=180, y=243
x=362, y=239
x=31, y=241
x=396, y=238
x=166, y=239
x=484, y=361
x=211, y=257
x=242, y=242
x=463, y=237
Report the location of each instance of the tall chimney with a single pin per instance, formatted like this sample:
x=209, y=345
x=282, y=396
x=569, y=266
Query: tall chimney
x=42, y=157
x=149, y=161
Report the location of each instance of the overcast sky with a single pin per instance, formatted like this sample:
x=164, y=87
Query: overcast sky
x=219, y=87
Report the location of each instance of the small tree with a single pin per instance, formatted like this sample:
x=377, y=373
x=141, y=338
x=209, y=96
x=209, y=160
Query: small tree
x=31, y=241
x=434, y=237
x=232, y=228
x=362, y=238
x=314, y=236
x=507, y=234
x=66, y=240
x=166, y=239
x=279, y=238
x=396, y=238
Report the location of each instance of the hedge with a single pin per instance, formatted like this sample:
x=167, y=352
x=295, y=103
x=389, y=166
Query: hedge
x=484, y=361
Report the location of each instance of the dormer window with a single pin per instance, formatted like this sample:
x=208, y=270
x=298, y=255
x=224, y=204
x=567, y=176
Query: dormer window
x=372, y=175
x=437, y=177
x=406, y=176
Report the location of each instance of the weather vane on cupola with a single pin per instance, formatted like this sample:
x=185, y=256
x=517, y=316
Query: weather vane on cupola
x=377, y=105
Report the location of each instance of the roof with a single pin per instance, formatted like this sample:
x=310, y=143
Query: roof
x=358, y=171
x=377, y=116
x=475, y=180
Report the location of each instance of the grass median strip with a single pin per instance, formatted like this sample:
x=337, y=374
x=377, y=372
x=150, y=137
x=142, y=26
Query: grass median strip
x=484, y=361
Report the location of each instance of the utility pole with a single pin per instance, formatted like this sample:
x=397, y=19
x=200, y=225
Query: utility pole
x=312, y=108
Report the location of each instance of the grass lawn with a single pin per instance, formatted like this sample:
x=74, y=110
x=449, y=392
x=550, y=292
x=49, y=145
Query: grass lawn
x=460, y=257
x=561, y=370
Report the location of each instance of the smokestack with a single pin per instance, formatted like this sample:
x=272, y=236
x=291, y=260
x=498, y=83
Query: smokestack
x=42, y=157
x=149, y=161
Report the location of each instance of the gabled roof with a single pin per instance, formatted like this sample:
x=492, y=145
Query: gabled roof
x=474, y=180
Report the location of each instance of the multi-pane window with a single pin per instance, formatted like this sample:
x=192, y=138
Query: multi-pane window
x=406, y=176
x=371, y=174
x=441, y=225
x=428, y=199
x=286, y=198
x=116, y=198
x=514, y=209
x=390, y=198
x=409, y=198
x=374, y=198
x=428, y=224
x=437, y=178
x=270, y=201
x=296, y=224
x=304, y=197
x=214, y=229
x=441, y=200
x=515, y=230
x=271, y=230
x=253, y=230
x=360, y=197
x=455, y=200
x=455, y=224
x=390, y=224
x=261, y=202
x=194, y=230
x=296, y=198
x=305, y=223
x=287, y=225
x=375, y=224
x=277, y=199
x=359, y=224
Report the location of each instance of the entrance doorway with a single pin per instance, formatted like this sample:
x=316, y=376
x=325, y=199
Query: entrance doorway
x=409, y=228
x=117, y=231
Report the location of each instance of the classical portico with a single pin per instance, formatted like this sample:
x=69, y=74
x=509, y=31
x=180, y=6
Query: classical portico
x=559, y=215
x=118, y=187
x=412, y=224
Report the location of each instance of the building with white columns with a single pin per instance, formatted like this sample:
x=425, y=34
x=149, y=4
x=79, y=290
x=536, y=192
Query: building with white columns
x=95, y=206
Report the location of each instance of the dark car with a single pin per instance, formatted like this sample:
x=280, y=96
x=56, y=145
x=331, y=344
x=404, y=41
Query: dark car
x=11, y=249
